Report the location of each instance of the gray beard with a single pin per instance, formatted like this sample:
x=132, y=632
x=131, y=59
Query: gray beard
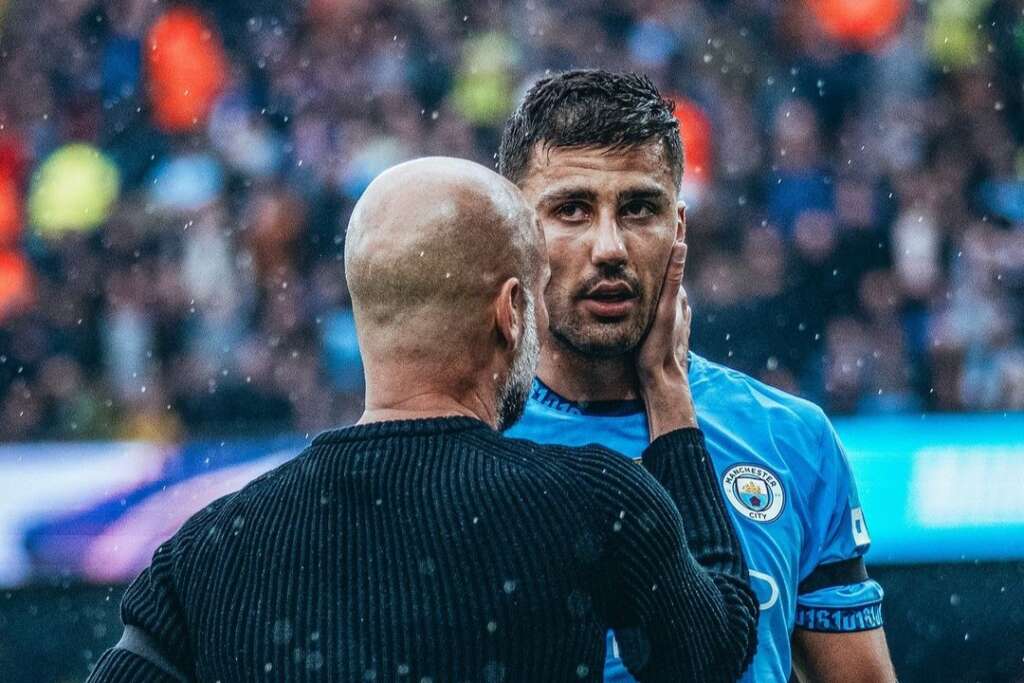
x=513, y=392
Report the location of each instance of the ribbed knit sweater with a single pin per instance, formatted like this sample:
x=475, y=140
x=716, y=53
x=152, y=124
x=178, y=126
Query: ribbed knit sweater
x=437, y=550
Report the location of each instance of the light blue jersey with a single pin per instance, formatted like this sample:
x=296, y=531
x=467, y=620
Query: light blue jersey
x=789, y=489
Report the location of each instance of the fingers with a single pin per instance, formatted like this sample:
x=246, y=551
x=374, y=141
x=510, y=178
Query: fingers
x=673, y=276
x=676, y=265
x=673, y=280
x=685, y=315
x=684, y=304
x=670, y=326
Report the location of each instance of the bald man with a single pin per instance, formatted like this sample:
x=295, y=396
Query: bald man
x=420, y=544
x=444, y=263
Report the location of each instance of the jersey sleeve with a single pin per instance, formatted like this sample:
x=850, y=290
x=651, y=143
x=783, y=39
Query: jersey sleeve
x=835, y=593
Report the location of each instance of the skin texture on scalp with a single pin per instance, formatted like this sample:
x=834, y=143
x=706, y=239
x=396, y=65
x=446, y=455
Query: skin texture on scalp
x=429, y=245
x=425, y=240
x=429, y=232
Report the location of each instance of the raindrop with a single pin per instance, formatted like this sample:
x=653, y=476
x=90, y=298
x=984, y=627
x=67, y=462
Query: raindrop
x=281, y=632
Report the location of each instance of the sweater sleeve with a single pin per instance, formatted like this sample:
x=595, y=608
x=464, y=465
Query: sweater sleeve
x=680, y=462
x=676, y=592
x=155, y=646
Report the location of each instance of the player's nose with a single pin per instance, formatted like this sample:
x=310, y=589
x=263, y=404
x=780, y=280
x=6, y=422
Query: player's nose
x=608, y=247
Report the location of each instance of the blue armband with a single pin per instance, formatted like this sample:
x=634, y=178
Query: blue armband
x=841, y=609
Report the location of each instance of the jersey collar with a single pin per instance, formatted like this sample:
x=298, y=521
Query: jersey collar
x=546, y=396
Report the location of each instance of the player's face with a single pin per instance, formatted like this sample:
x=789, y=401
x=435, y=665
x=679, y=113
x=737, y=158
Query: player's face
x=609, y=220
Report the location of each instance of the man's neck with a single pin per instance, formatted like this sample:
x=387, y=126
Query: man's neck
x=381, y=407
x=580, y=378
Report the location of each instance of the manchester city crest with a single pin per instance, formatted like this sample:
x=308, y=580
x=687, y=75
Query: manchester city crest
x=755, y=491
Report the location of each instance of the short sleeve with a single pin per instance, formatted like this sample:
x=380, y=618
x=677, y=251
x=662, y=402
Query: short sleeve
x=835, y=592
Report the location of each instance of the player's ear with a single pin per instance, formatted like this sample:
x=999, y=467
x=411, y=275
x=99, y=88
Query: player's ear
x=681, y=221
x=508, y=313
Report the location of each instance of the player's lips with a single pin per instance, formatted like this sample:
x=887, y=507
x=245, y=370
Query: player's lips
x=610, y=300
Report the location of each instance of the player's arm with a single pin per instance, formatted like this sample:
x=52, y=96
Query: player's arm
x=860, y=657
x=839, y=634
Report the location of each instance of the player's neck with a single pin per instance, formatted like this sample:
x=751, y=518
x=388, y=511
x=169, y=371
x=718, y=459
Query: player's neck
x=579, y=378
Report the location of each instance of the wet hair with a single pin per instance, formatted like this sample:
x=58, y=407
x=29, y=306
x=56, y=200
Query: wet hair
x=589, y=108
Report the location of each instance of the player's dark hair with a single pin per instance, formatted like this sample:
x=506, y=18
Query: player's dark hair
x=589, y=108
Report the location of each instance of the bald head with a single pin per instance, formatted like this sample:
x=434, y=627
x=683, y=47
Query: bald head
x=432, y=235
x=429, y=246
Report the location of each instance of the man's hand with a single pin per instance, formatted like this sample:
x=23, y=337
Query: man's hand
x=661, y=360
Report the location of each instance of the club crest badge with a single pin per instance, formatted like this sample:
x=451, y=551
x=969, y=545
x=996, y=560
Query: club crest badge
x=755, y=491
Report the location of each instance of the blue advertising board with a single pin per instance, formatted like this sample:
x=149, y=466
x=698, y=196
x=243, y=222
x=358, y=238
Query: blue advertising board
x=935, y=488
x=940, y=488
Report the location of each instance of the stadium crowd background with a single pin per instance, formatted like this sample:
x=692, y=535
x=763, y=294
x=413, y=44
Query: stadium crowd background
x=174, y=183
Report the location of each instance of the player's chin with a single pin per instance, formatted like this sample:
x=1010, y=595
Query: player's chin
x=608, y=339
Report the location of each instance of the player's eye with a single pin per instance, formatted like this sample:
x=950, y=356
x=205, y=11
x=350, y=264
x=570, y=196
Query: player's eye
x=638, y=209
x=571, y=212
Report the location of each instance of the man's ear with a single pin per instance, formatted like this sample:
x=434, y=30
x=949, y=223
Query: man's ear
x=681, y=221
x=507, y=315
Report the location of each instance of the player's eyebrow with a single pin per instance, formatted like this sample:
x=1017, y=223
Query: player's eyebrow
x=564, y=194
x=652, y=193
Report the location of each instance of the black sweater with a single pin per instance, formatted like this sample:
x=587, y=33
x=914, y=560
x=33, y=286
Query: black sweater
x=438, y=550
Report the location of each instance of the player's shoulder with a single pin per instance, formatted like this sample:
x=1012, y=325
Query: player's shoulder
x=732, y=385
x=792, y=423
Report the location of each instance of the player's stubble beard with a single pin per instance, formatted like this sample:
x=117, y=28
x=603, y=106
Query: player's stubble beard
x=596, y=339
x=514, y=391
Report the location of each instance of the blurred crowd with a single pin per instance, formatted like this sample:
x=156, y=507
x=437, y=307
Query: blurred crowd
x=175, y=181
